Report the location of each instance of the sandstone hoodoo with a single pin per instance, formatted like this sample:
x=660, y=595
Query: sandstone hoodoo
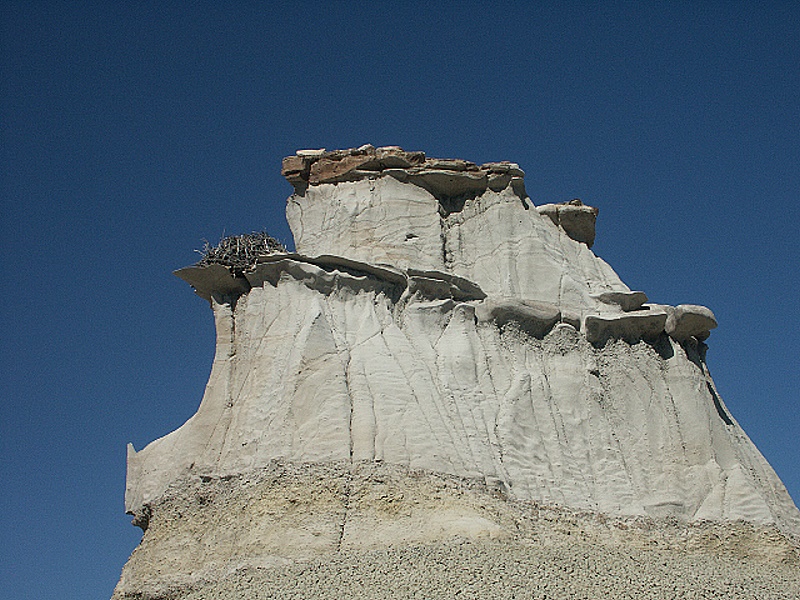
x=442, y=367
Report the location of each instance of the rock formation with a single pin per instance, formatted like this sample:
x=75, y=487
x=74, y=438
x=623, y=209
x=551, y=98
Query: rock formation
x=441, y=360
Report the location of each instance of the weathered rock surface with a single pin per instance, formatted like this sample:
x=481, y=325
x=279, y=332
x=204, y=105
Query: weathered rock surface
x=434, y=325
x=445, y=179
x=494, y=240
x=690, y=320
x=576, y=219
x=322, y=362
x=632, y=326
x=627, y=301
x=374, y=530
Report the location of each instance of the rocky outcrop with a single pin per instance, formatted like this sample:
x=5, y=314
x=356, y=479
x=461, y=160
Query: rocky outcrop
x=690, y=320
x=450, y=181
x=576, y=219
x=328, y=359
x=433, y=321
x=375, y=530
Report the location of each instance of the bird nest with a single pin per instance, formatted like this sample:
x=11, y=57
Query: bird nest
x=240, y=252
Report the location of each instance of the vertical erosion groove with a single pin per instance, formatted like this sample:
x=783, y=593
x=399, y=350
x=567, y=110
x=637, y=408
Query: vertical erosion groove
x=349, y=470
x=718, y=405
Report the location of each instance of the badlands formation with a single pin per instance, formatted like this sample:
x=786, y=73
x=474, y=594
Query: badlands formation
x=444, y=392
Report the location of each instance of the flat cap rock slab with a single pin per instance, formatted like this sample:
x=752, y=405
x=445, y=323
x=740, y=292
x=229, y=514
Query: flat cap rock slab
x=632, y=326
x=690, y=320
x=577, y=220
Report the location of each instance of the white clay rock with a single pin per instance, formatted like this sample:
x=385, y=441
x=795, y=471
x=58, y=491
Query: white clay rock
x=437, y=346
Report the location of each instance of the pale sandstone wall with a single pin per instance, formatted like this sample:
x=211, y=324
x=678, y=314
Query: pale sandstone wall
x=434, y=324
x=317, y=365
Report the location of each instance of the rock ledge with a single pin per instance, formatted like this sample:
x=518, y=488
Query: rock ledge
x=444, y=178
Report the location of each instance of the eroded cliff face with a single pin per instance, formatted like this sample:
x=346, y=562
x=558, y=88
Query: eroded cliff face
x=319, y=364
x=434, y=321
x=491, y=235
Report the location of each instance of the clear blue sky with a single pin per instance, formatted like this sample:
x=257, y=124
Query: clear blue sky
x=131, y=133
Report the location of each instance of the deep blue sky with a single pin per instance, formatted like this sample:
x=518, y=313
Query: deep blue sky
x=131, y=133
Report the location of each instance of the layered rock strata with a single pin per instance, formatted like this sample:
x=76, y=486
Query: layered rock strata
x=374, y=530
x=433, y=320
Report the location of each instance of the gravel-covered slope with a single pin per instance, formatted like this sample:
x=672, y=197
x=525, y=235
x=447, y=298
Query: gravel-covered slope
x=505, y=571
x=378, y=531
